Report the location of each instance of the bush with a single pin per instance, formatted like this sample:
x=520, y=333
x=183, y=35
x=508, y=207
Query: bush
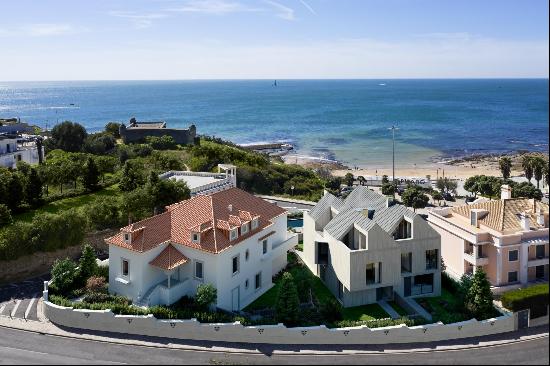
x=331, y=311
x=87, y=265
x=64, y=275
x=378, y=323
x=104, y=213
x=534, y=298
x=5, y=215
x=102, y=271
x=288, y=303
x=449, y=283
x=96, y=284
x=206, y=296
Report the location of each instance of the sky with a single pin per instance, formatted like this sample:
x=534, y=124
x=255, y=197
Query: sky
x=272, y=39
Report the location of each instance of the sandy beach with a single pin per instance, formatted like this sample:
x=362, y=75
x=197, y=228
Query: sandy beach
x=456, y=169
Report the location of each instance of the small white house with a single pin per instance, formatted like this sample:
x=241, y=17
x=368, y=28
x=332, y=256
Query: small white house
x=230, y=239
x=11, y=152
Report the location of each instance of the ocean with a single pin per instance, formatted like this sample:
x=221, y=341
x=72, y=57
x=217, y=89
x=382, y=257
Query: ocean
x=344, y=120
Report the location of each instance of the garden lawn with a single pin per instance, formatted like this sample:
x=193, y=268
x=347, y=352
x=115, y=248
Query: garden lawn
x=68, y=203
x=364, y=312
x=398, y=308
x=443, y=307
x=269, y=299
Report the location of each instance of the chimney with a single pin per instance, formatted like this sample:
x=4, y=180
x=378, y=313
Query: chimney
x=540, y=217
x=505, y=192
x=525, y=221
x=389, y=202
x=230, y=208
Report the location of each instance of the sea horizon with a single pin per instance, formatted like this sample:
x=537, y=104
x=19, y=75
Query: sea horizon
x=337, y=119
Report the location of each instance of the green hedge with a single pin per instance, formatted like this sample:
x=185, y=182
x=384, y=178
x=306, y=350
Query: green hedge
x=534, y=298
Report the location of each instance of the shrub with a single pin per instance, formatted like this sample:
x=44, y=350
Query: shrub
x=534, y=298
x=102, y=271
x=206, y=296
x=87, y=265
x=378, y=323
x=96, y=284
x=96, y=297
x=331, y=310
x=64, y=275
x=288, y=303
x=5, y=215
x=104, y=213
x=479, y=299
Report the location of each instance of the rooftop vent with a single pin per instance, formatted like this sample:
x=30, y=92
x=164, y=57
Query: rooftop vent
x=230, y=208
x=525, y=221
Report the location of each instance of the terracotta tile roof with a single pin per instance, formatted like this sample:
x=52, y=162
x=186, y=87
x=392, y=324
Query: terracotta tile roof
x=211, y=213
x=504, y=215
x=169, y=258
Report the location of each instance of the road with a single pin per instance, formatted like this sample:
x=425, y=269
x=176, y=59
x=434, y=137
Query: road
x=18, y=346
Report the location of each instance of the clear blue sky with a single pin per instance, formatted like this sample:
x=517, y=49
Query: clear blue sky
x=198, y=39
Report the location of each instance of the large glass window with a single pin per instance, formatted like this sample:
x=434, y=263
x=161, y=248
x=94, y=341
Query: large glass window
x=406, y=262
x=513, y=276
x=431, y=259
x=199, y=270
x=540, y=251
x=235, y=264
x=373, y=272
x=404, y=231
x=125, y=267
x=513, y=255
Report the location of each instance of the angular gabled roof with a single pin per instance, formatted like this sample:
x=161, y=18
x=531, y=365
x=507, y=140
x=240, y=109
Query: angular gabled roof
x=355, y=210
x=504, y=215
x=324, y=204
x=214, y=214
x=169, y=258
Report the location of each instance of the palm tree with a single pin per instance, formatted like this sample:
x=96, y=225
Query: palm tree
x=527, y=167
x=538, y=164
x=505, y=164
x=546, y=173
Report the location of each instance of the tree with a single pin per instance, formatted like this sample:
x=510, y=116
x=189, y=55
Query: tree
x=136, y=204
x=361, y=180
x=479, y=300
x=5, y=215
x=485, y=185
x=131, y=178
x=437, y=196
x=67, y=136
x=388, y=189
x=14, y=192
x=525, y=190
x=334, y=183
x=113, y=128
x=104, y=213
x=527, y=167
x=206, y=296
x=385, y=179
x=64, y=275
x=348, y=179
x=414, y=197
x=288, y=304
x=99, y=143
x=87, y=265
x=105, y=164
x=90, y=176
x=505, y=164
x=538, y=163
x=161, y=143
x=33, y=188
x=446, y=185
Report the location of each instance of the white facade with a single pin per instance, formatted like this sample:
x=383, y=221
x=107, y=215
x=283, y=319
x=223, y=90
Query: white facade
x=11, y=153
x=147, y=285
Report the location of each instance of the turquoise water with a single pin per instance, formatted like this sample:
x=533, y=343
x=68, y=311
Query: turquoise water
x=345, y=120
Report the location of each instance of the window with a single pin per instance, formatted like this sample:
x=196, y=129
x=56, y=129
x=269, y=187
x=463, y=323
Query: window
x=513, y=276
x=540, y=251
x=126, y=237
x=246, y=255
x=513, y=255
x=431, y=259
x=235, y=264
x=406, y=262
x=246, y=283
x=423, y=284
x=371, y=273
x=244, y=229
x=264, y=246
x=258, y=281
x=233, y=234
x=199, y=270
x=195, y=237
x=125, y=267
x=254, y=223
x=404, y=230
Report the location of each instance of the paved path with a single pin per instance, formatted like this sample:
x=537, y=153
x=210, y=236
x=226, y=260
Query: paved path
x=419, y=309
x=388, y=309
x=18, y=346
x=20, y=300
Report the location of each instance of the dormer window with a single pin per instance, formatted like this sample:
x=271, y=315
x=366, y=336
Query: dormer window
x=244, y=229
x=233, y=234
x=254, y=223
x=196, y=237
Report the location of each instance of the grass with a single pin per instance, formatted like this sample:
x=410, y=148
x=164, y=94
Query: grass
x=68, y=203
x=364, y=313
x=443, y=308
x=300, y=246
x=398, y=308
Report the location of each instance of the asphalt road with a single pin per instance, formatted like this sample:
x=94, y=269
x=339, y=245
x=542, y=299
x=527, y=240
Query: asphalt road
x=18, y=347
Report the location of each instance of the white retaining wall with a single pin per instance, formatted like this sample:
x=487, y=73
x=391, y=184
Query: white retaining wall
x=105, y=320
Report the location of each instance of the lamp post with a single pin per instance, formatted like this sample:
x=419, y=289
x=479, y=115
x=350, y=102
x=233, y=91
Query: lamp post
x=393, y=128
x=292, y=189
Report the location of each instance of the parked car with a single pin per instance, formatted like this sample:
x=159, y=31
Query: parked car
x=448, y=197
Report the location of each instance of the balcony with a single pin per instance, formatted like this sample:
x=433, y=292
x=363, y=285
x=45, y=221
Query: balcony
x=471, y=258
x=537, y=261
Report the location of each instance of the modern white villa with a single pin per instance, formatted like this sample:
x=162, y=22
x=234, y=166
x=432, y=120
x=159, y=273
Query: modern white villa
x=201, y=183
x=366, y=249
x=14, y=149
x=508, y=238
x=230, y=239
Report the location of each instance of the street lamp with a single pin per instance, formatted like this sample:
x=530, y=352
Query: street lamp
x=393, y=128
x=292, y=189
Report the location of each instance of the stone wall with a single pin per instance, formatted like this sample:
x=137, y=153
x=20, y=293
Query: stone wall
x=39, y=263
x=105, y=320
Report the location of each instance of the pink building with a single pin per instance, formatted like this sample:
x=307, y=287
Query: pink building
x=508, y=238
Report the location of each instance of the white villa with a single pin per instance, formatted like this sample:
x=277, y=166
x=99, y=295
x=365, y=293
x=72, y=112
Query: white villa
x=201, y=183
x=230, y=239
x=12, y=151
x=366, y=249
